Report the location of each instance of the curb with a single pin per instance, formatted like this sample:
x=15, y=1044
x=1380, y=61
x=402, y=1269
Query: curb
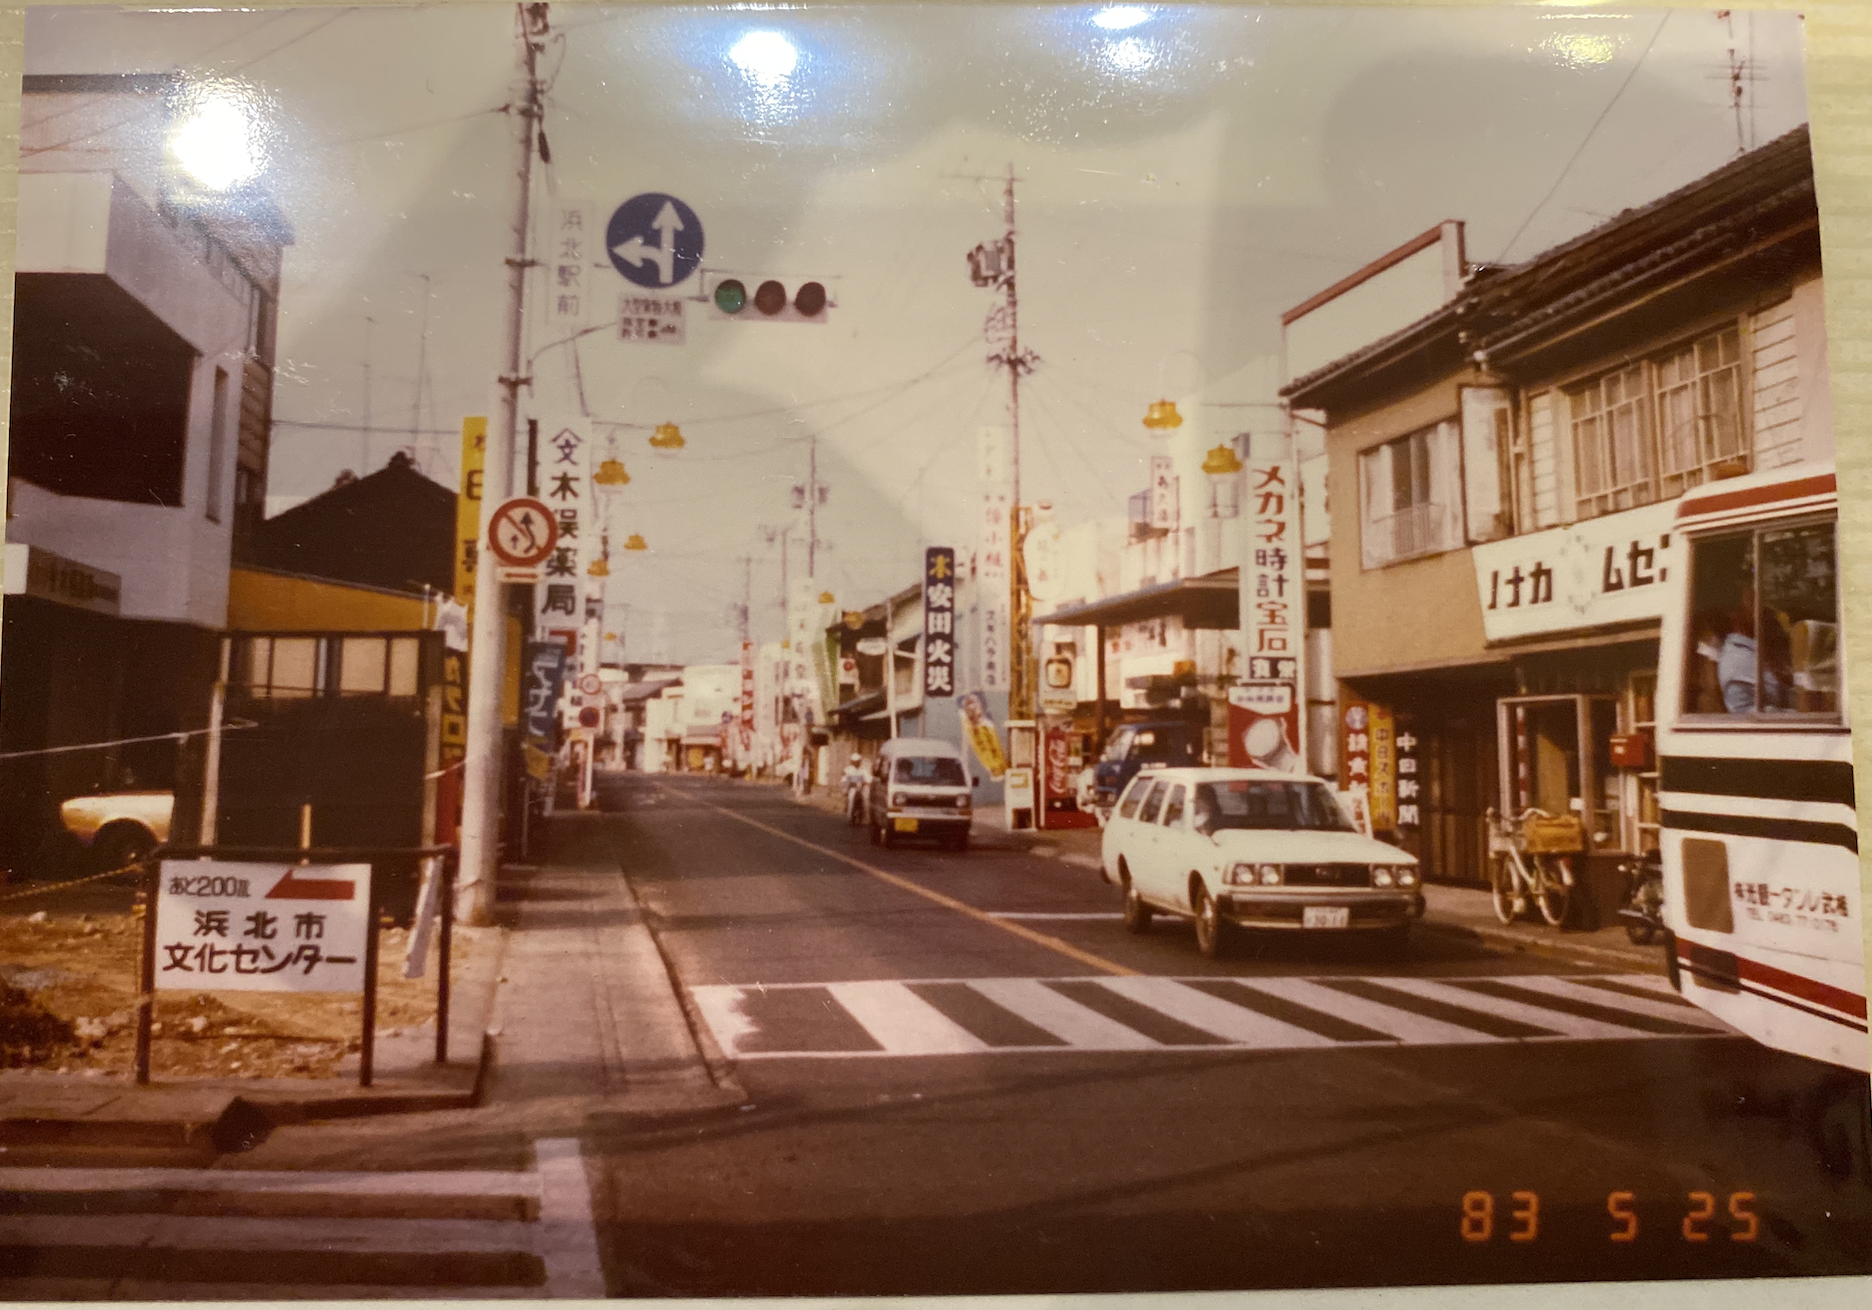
x=1575, y=952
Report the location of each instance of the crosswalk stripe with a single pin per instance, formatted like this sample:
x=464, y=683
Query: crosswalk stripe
x=1539, y=1016
x=1142, y=1013
x=902, y=1022
x=140, y=1289
x=1675, y=1011
x=1201, y=1010
x=1067, y=1020
x=241, y=1233
x=1401, y=1024
x=468, y=1182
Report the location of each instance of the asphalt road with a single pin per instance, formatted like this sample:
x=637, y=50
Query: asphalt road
x=1080, y=1123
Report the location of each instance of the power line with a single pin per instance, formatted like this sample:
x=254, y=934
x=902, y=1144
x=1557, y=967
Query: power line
x=1587, y=139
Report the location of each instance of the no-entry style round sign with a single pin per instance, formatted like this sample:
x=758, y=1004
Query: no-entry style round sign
x=590, y=684
x=522, y=533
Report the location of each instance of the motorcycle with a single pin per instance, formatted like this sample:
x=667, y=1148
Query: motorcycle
x=1644, y=899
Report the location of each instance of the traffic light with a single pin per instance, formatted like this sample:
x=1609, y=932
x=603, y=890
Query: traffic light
x=766, y=299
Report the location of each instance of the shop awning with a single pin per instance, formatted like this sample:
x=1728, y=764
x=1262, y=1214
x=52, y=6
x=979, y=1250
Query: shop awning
x=858, y=707
x=645, y=690
x=1209, y=601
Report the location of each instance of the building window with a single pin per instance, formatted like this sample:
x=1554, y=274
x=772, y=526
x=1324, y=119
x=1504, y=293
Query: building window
x=1764, y=624
x=1410, y=493
x=1652, y=430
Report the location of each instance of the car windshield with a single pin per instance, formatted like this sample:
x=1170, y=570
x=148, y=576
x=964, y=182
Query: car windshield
x=1119, y=746
x=1285, y=806
x=931, y=771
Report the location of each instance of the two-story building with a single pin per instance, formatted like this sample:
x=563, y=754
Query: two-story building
x=145, y=314
x=1506, y=467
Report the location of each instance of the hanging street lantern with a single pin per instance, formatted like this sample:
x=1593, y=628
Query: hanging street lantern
x=1221, y=462
x=600, y=568
x=667, y=437
x=611, y=474
x=1162, y=416
x=854, y=619
x=825, y=598
x=634, y=542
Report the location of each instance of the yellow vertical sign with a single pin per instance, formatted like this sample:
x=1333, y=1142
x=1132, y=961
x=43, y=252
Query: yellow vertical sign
x=468, y=508
x=1384, y=763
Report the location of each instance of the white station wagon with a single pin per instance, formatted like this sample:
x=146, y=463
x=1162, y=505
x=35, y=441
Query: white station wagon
x=1254, y=849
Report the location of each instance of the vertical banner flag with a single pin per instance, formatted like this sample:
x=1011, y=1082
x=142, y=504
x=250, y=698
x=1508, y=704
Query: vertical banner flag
x=983, y=737
x=1266, y=725
x=544, y=665
x=568, y=299
x=992, y=557
x=468, y=508
x=939, y=648
x=1163, y=493
x=744, y=751
x=565, y=486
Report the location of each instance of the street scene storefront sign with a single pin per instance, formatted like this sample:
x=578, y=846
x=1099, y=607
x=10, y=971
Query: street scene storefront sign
x=223, y=926
x=1600, y=571
x=543, y=664
x=31, y=571
x=992, y=566
x=1265, y=724
x=939, y=649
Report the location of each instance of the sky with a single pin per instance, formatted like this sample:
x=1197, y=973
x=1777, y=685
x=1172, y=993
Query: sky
x=1183, y=175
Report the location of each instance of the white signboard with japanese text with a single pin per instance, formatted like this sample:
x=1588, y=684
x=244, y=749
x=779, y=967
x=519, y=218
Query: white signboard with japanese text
x=991, y=556
x=1163, y=494
x=656, y=319
x=261, y=927
x=565, y=467
x=1596, y=572
x=1273, y=606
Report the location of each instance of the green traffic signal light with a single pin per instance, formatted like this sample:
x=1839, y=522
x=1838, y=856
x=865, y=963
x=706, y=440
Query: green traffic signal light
x=730, y=296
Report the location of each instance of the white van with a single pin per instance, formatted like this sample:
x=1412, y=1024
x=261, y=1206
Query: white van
x=919, y=787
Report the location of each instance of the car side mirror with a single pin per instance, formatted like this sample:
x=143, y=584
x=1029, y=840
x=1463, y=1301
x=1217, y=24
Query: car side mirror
x=974, y=781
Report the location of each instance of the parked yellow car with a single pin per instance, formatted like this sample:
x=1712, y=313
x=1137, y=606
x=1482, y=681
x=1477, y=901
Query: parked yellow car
x=119, y=827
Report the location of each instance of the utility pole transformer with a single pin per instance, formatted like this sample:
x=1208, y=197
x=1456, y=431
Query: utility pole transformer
x=487, y=672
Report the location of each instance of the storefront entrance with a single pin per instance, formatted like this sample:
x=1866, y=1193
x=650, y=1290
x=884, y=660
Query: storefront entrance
x=1544, y=766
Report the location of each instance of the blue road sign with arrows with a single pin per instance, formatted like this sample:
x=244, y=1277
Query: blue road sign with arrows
x=654, y=240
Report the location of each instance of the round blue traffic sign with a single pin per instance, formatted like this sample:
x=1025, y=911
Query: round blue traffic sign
x=654, y=240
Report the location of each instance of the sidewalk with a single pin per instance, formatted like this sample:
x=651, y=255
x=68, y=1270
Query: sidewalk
x=229, y=1114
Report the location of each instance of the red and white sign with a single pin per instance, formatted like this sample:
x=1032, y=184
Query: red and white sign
x=262, y=927
x=522, y=533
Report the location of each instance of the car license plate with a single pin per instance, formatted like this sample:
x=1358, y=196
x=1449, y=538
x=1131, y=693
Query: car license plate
x=1325, y=916
x=905, y=825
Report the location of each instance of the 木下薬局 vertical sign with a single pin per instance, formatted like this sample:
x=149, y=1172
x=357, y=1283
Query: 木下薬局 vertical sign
x=240, y=927
x=565, y=487
x=992, y=551
x=939, y=648
x=1266, y=724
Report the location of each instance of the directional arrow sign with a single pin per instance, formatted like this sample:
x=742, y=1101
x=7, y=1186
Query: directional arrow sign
x=654, y=240
x=262, y=927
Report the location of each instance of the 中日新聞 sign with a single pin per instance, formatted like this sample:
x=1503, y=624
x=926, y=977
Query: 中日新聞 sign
x=261, y=927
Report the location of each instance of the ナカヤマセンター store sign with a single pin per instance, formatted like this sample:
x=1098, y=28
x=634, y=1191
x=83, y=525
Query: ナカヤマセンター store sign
x=1586, y=575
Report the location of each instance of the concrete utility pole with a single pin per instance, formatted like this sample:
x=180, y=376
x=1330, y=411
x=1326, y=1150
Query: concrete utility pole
x=487, y=671
x=422, y=371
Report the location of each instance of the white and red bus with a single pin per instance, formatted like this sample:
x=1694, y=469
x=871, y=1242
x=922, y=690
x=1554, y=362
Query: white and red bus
x=1759, y=836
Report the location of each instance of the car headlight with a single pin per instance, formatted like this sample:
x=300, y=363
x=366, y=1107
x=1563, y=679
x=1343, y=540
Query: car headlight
x=1247, y=875
x=1407, y=876
x=1268, y=874
x=899, y=800
x=1238, y=874
x=1380, y=876
x=962, y=802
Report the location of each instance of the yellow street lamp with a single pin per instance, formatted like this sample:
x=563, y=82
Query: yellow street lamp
x=667, y=437
x=600, y=568
x=611, y=474
x=1162, y=416
x=1221, y=462
x=634, y=542
x=825, y=598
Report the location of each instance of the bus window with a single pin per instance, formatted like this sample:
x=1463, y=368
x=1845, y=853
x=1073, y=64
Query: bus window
x=1764, y=623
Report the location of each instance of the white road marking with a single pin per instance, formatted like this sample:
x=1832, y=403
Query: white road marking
x=1538, y=1015
x=1067, y=1020
x=564, y=1238
x=1675, y=1011
x=721, y=1010
x=246, y=1233
x=1213, y=1015
x=902, y=1022
x=435, y=1182
x=1412, y=1029
x=1107, y=915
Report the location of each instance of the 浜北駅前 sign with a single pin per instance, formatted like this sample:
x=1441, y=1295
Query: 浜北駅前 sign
x=261, y=927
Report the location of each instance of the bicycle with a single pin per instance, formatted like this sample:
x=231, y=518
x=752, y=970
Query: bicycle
x=1528, y=864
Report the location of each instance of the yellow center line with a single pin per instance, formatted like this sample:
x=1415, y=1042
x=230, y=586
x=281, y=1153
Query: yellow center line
x=1025, y=933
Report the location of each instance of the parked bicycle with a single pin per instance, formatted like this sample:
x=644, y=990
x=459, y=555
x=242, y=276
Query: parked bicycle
x=1644, y=898
x=1530, y=863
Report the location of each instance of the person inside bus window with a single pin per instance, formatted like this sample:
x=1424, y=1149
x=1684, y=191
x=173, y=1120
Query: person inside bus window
x=1704, y=694
x=1739, y=665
